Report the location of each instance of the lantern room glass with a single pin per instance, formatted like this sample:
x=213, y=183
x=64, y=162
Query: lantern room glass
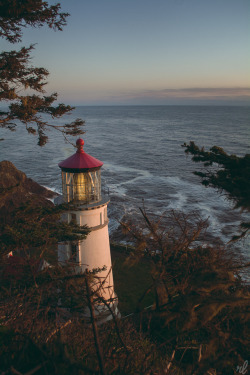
x=83, y=187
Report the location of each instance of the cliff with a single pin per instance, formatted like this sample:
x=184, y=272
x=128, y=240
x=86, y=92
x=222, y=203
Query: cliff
x=16, y=189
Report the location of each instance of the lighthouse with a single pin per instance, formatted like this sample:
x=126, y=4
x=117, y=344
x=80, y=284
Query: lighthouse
x=81, y=188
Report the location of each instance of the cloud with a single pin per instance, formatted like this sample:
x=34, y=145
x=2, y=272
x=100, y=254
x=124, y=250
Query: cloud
x=197, y=92
x=192, y=95
x=182, y=96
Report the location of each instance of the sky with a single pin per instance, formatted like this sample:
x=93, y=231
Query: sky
x=147, y=52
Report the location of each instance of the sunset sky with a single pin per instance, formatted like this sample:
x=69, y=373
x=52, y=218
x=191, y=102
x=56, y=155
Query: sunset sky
x=148, y=52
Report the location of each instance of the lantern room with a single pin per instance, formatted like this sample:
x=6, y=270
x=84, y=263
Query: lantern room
x=81, y=177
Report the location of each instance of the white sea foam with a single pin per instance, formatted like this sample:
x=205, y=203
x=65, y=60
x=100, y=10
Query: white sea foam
x=51, y=188
x=143, y=160
x=117, y=189
x=177, y=201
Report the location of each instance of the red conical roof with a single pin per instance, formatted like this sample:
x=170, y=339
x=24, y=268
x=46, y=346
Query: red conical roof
x=80, y=160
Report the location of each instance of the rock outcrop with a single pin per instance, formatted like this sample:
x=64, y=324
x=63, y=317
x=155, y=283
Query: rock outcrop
x=16, y=189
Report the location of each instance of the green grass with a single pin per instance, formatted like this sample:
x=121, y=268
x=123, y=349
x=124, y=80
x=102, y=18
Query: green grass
x=130, y=282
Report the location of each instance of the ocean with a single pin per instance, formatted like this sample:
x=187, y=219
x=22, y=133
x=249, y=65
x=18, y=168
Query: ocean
x=144, y=163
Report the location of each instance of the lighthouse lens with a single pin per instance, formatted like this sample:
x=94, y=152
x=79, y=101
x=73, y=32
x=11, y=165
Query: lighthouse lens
x=82, y=187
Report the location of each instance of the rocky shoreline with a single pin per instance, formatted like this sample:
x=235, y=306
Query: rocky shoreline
x=16, y=189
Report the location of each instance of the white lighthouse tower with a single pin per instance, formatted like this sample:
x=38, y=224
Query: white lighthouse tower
x=81, y=187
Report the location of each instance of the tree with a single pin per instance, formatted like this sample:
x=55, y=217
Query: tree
x=18, y=75
x=41, y=304
x=201, y=305
x=199, y=298
x=227, y=173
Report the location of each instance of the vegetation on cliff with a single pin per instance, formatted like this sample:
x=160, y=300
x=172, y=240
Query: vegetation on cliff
x=198, y=323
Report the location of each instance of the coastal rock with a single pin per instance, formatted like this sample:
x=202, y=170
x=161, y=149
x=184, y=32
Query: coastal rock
x=16, y=189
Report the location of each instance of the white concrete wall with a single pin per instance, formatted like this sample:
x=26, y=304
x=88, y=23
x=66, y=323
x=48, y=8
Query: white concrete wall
x=92, y=218
x=94, y=251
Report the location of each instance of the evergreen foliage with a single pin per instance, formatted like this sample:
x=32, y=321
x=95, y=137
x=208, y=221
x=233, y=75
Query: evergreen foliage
x=16, y=15
x=198, y=324
x=17, y=75
x=229, y=174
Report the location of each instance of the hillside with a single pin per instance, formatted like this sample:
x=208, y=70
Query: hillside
x=16, y=189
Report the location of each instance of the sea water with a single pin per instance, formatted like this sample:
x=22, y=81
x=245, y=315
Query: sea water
x=144, y=163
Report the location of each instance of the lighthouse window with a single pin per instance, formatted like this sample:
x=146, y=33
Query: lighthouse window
x=101, y=218
x=84, y=187
x=67, y=186
x=74, y=250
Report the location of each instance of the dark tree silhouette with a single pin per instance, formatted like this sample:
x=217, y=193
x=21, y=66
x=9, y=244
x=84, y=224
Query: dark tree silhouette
x=18, y=75
x=227, y=173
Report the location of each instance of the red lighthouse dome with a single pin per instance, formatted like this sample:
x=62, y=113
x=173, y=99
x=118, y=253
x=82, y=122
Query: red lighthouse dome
x=81, y=177
x=80, y=161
